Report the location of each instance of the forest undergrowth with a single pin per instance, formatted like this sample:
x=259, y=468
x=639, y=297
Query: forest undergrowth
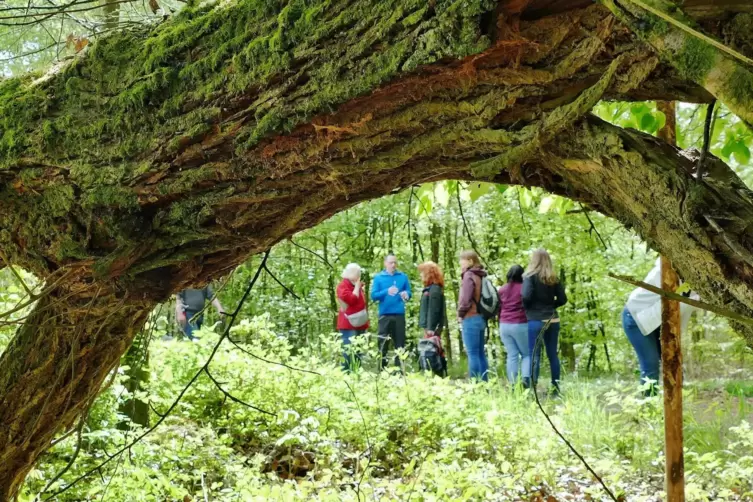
x=326, y=435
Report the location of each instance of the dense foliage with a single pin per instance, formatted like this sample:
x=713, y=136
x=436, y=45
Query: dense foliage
x=341, y=437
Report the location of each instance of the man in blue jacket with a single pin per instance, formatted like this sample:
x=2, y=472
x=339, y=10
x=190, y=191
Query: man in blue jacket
x=391, y=288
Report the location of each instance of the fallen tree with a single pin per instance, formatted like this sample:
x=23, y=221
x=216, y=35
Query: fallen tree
x=162, y=158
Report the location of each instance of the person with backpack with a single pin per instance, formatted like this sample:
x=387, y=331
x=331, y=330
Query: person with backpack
x=513, y=327
x=391, y=288
x=542, y=294
x=469, y=314
x=353, y=315
x=431, y=317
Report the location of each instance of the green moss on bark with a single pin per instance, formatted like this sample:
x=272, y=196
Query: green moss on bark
x=696, y=59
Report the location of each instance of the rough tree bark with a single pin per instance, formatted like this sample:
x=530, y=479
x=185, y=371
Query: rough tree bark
x=159, y=159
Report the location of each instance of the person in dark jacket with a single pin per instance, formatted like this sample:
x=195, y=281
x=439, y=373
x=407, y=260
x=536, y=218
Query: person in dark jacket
x=432, y=311
x=513, y=327
x=542, y=294
x=472, y=322
x=352, y=316
x=189, y=303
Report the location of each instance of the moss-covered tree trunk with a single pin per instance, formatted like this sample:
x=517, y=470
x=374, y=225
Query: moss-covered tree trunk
x=161, y=158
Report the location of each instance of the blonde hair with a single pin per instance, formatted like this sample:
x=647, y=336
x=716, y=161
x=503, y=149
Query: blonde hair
x=351, y=271
x=471, y=256
x=541, y=265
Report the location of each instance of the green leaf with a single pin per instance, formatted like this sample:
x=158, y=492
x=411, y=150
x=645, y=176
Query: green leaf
x=684, y=288
x=728, y=148
x=478, y=189
x=648, y=122
x=741, y=152
x=502, y=188
x=526, y=197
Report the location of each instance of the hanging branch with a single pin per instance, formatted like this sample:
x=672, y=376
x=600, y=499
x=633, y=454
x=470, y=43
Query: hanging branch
x=278, y=363
x=593, y=228
x=522, y=217
x=290, y=291
x=232, y=397
x=537, y=346
x=468, y=232
x=177, y=400
x=707, y=129
x=312, y=252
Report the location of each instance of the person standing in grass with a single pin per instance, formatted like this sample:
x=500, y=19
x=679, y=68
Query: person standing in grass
x=353, y=316
x=432, y=310
x=513, y=328
x=190, y=302
x=641, y=320
x=542, y=294
x=472, y=322
x=391, y=288
x=431, y=315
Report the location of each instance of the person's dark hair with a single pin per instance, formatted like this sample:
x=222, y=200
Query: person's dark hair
x=515, y=274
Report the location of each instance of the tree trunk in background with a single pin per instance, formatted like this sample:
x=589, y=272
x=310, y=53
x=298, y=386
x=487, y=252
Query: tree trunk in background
x=162, y=157
x=331, y=283
x=435, y=239
x=567, y=346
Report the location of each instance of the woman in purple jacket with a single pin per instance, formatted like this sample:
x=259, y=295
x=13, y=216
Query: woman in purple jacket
x=513, y=327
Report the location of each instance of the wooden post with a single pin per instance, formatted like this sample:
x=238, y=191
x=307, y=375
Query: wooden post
x=671, y=357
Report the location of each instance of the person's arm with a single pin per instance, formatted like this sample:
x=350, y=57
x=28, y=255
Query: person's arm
x=218, y=306
x=561, y=295
x=499, y=295
x=467, y=288
x=526, y=292
x=378, y=294
x=180, y=313
x=344, y=293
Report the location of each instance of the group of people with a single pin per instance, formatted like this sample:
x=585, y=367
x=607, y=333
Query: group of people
x=526, y=306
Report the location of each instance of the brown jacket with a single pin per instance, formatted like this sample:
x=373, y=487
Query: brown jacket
x=470, y=292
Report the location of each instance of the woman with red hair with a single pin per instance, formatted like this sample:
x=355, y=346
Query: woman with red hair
x=431, y=316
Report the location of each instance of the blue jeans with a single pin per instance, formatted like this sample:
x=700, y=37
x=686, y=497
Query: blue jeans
x=515, y=339
x=192, y=326
x=473, y=339
x=550, y=339
x=647, y=348
x=350, y=361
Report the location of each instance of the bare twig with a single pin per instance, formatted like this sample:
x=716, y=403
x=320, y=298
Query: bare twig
x=593, y=228
x=682, y=299
x=522, y=216
x=278, y=363
x=468, y=232
x=177, y=400
x=290, y=291
x=707, y=130
x=232, y=397
x=312, y=252
x=537, y=346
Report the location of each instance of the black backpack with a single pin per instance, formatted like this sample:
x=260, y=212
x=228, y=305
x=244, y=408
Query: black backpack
x=430, y=356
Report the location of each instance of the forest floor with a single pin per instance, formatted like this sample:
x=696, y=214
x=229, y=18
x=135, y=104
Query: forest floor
x=325, y=435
